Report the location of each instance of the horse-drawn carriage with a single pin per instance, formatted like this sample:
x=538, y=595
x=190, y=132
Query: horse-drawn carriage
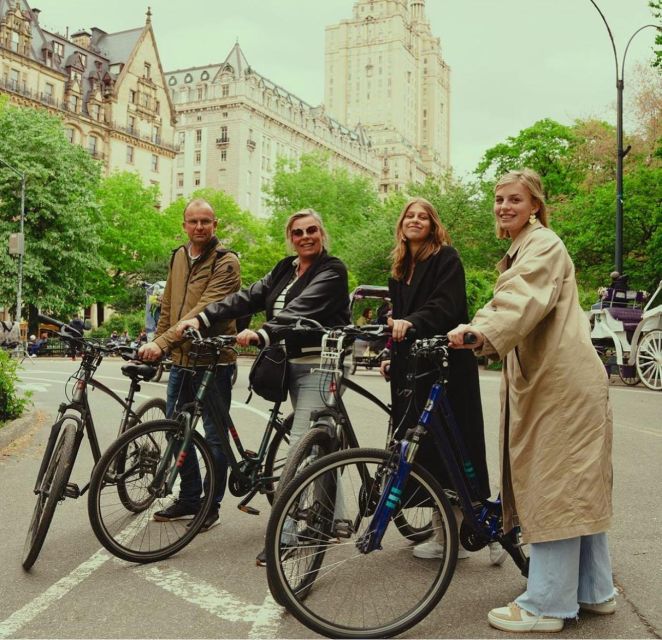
x=368, y=354
x=628, y=335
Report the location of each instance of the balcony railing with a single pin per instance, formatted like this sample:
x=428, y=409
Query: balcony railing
x=154, y=139
x=250, y=144
x=222, y=141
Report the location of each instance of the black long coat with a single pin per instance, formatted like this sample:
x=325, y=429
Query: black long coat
x=435, y=302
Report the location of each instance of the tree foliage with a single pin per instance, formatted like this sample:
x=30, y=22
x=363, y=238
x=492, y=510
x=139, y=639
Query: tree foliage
x=133, y=235
x=61, y=231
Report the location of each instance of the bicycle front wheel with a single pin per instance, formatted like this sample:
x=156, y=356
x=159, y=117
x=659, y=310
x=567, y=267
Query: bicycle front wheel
x=314, y=565
x=51, y=490
x=140, y=463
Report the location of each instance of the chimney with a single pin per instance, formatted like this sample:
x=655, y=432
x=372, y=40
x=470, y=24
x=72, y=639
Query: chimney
x=35, y=15
x=81, y=39
x=97, y=34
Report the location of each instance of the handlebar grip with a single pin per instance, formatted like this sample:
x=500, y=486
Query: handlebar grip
x=470, y=338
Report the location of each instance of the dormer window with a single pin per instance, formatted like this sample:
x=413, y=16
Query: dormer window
x=83, y=59
x=58, y=48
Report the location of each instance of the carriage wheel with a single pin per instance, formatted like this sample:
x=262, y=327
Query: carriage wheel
x=649, y=360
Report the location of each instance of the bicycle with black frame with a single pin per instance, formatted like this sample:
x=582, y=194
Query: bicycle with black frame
x=342, y=569
x=74, y=420
x=148, y=459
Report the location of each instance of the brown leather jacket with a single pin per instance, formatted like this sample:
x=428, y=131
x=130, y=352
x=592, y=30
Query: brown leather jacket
x=190, y=287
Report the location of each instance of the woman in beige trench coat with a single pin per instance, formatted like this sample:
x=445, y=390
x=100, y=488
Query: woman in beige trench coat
x=556, y=428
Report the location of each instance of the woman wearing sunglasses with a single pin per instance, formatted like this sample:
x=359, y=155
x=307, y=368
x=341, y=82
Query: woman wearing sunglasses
x=310, y=284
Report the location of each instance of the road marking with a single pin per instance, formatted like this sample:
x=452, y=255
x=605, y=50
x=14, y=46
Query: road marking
x=26, y=614
x=242, y=405
x=33, y=387
x=221, y=603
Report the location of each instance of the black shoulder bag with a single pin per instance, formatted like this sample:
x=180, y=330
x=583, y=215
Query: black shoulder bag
x=268, y=376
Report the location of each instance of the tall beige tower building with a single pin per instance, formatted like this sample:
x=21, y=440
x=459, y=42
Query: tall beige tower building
x=384, y=71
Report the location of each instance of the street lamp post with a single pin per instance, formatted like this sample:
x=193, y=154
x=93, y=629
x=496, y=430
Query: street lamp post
x=620, y=152
x=19, y=290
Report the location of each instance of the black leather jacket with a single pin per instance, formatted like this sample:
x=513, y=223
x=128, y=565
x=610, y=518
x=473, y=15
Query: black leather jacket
x=321, y=293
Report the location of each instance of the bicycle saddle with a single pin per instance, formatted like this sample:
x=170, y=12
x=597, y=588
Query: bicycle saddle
x=139, y=371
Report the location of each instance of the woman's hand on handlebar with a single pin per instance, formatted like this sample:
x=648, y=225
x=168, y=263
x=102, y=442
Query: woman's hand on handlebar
x=247, y=337
x=385, y=369
x=182, y=325
x=399, y=328
x=456, y=339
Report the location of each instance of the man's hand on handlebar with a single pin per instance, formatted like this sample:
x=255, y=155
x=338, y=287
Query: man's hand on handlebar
x=385, y=369
x=248, y=337
x=150, y=352
x=456, y=337
x=181, y=326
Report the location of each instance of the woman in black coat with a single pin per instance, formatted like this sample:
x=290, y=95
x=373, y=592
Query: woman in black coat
x=427, y=290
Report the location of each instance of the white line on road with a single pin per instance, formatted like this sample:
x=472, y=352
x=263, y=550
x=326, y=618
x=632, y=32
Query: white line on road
x=26, y=614
x=241, y=405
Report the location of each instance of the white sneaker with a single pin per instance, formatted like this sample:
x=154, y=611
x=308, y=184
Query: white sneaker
x=515, y=619
x=498, y=554
x=462, y=553
x=429, y=549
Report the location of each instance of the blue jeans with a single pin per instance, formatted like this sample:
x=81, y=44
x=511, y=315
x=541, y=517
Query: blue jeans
x=182, y=386
x=566, y=573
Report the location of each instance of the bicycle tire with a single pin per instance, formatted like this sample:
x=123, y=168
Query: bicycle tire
x=409, y=529
x=150, y=410
x=340, y=590
x=275, y=460
x=314, y=445
x=53, y=483
x=136, y=537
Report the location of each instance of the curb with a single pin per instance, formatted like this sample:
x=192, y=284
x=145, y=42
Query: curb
x=16, y=428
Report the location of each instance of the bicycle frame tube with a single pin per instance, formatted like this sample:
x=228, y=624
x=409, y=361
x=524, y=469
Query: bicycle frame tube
x=350, y=384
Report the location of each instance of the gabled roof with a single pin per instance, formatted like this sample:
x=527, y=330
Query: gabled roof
x=117, y=47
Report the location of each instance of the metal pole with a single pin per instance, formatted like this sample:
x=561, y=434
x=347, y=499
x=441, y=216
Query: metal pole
x=19, y=292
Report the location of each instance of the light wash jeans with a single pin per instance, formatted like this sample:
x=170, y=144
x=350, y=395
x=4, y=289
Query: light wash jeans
x=565, y=573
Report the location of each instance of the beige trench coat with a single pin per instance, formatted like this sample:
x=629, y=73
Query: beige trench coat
x=556, y=426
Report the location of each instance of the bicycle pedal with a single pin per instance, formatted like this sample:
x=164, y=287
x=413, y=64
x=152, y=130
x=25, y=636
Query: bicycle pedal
x=249, y=510
x=71, y=490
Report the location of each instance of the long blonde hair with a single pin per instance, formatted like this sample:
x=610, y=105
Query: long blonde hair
x=400, y=256
x=533, y=183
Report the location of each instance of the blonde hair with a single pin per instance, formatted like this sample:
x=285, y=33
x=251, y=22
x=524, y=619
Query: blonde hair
x=400, y=256
x=533, y=183
x=304, y=213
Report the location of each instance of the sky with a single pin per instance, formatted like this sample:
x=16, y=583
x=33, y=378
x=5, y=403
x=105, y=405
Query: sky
x=513, y=62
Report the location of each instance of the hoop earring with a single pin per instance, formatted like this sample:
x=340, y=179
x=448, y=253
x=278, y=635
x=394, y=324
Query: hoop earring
x=532, y=218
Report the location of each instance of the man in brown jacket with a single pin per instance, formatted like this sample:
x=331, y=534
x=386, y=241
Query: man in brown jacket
x=201, y=272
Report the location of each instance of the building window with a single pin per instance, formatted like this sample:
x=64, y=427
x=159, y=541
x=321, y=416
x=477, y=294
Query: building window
x=73, y=104
x=196, y=178
x=199, y=93
x=58, y=48
x=83, y=59
x=225, y=90
x=92, y=145
x=129, y=154
x=155, y=162
x=198, y=136
x=132, y=124
x=197, y=157
x=180, y=180
x=156, y=135
x=224, y=155
x=49, y=90
x=69, y=134
x=224, y=134
x=133, y=94
x=148, y=70
x=95, y=112
x=225, y=114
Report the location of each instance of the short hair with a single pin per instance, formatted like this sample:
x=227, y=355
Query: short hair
x=198, y=202
x=533, y=183
x=304, y=213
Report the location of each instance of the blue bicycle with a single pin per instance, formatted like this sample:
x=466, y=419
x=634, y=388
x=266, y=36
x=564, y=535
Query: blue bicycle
x=334, y=558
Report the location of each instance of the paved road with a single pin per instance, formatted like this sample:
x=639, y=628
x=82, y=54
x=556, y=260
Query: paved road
x=212, y=589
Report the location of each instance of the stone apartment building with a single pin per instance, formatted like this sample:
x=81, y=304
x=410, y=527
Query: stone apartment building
x=108, y=88
x=385, y=115
x=384, y=69
x=233, y=123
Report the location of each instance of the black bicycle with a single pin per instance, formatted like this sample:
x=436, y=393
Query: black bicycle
x=333, y=558
x=73, y=421
x=147, y=461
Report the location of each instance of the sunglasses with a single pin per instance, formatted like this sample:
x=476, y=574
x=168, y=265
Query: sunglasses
x=309, y=231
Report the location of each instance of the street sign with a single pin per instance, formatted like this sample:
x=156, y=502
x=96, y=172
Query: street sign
x=17, y=244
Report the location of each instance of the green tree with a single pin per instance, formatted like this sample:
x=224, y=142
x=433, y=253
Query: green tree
x=544, y=147
x=61, y=233
x=133, y=235
x=656, y=9
x=344, y=200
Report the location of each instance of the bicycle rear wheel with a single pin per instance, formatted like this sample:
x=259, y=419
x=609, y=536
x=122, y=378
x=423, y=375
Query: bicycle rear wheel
x=150, y=410
x=136, y=536
x=276, y=456
x=51, y=490
x=315, y=568
x=315, y=444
